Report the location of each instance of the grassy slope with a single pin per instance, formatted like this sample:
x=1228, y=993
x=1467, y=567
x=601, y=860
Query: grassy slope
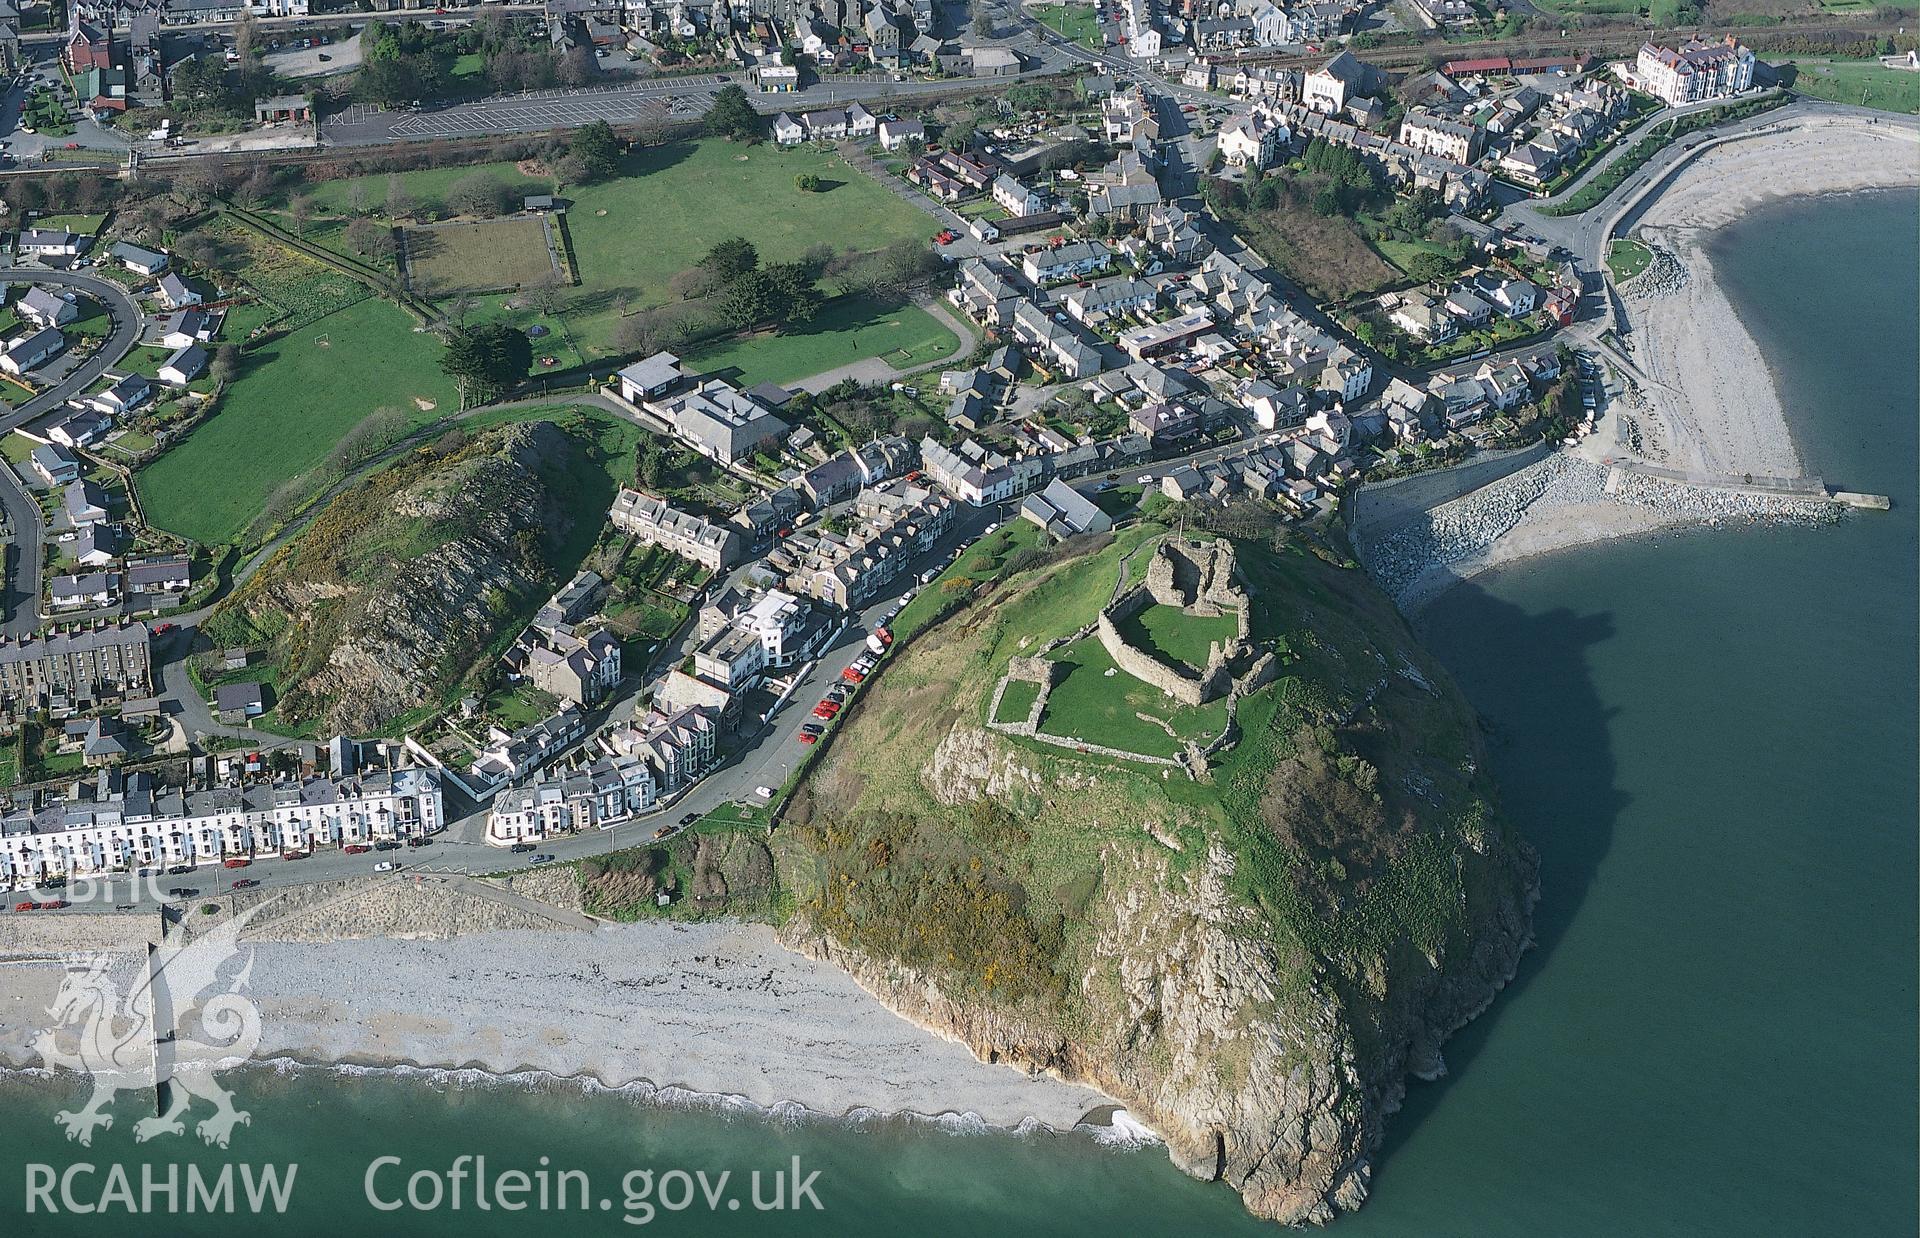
x=358, y=541
x=993, y=897
x=292, y=402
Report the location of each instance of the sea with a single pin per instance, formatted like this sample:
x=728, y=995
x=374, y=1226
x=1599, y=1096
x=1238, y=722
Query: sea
x=1711, y=738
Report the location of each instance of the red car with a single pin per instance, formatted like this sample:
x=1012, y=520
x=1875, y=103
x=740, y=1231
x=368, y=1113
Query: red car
x=26, y=905
x=161, y=629
x=809, y=739
x=356, y=849
x=853, y=676
x=235, y=862
x=54, y=904
x=293, y=855
x=823, y=710
x=245, y=883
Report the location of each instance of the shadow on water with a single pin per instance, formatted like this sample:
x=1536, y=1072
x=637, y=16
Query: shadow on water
x=1555, y=711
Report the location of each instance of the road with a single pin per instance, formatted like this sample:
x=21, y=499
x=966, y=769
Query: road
x=673, y=99
x=22, y=587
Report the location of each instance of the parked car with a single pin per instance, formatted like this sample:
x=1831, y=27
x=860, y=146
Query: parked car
x=689, y=818
x=385, y=866
x=520, y=848
x=542, y=859
x=386, y=844
x=356, y=848
x=245, y=883
x=420, y=840
x=182, y=892
x=235, y=862
x=808, y=739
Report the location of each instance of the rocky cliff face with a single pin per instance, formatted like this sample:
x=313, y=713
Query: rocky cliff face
x=1252, y=968
x=384, y=600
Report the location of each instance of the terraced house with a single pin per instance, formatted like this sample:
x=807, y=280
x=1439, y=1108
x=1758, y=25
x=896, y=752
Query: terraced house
x=118, y=823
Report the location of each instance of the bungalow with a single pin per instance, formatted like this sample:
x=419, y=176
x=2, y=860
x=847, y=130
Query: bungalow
x=1017, y=199
x=96, y=546
x=125, y=395
x=84, y=591
x=48, y=243
x=237, y=702
x=189, y=326
x=82, y=426
x=139, y=261
x=175, y=292
x=894, y=134
x=45, y=308
x=184, y=366
x=1069, y=261
x=55, y=464
x=28, y=351
x=168, y=574
x=84, y=503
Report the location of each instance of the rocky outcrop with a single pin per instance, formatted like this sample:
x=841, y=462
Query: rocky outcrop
x=380, y=605
x=1247, y=1067
x=1252, y=964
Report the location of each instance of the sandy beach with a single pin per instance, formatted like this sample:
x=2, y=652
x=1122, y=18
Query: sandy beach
x=710, y=1009
x=1709, y=407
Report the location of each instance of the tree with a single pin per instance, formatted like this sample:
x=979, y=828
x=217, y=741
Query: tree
x=732, y=116
x=400, y=203
x=982, y=19
x=301, y=209
x=807, y=182
x=359, y=197
x=597, y=149
x=1432, y=268
x=487, y=359
x=730, y=259
x=371, y=239
x=477, y=193
x=226, y=363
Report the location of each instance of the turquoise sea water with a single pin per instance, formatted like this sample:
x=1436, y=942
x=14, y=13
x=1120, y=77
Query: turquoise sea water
x=1711, y=739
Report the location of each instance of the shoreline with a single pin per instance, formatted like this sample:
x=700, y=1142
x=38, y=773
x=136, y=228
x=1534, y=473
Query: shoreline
x=1712, y=407
x=714, y=1015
